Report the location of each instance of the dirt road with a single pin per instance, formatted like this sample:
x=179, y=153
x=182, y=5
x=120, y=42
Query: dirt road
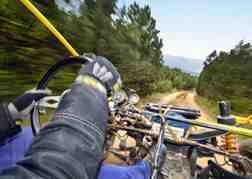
x=185, y=99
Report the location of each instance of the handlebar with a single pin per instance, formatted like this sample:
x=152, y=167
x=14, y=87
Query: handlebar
x=182, y=142
x=206, y=149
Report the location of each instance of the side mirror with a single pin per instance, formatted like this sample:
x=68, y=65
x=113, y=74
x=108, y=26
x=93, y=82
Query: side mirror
x=133, y=98
x=119, y=97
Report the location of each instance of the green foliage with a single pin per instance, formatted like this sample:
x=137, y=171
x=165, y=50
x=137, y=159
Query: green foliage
x=208, y=105
x=227, y=76
x=127, y=36
x=163, y=86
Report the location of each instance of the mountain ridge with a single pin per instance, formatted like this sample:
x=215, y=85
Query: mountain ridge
x=188, y=65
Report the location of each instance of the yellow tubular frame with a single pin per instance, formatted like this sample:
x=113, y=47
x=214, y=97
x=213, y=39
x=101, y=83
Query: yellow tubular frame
x=49, y=26
x=231, y=129
x=243, y=120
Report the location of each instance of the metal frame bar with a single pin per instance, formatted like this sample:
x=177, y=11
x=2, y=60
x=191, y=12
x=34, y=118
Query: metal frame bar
x=49, y=26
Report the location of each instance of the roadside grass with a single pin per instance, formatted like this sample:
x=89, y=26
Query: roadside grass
x=210, y=106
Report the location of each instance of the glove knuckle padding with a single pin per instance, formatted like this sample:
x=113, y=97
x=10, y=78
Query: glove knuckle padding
x=103, y=70
x=111, y=69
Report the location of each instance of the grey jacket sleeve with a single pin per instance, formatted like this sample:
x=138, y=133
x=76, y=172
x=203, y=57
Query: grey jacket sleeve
x=71, y=145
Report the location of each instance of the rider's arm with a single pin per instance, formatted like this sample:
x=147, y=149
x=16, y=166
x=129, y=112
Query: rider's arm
x=71, y=145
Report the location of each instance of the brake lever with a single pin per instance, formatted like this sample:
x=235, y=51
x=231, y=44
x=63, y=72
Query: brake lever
x=47, y=102
x=51, y=101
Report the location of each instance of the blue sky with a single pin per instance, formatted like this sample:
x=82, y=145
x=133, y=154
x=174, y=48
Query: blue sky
x=194, y=28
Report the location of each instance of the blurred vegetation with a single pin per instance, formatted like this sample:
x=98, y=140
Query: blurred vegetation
x=127, y=36
x=210, y=106
x=227, y=76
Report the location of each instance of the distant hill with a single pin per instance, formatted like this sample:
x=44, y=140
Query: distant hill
x=188, y=65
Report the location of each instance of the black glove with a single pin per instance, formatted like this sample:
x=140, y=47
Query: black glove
x=100, y=74
x=21, y=107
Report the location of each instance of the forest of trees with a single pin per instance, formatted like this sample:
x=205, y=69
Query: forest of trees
x=127, y=36
x=227, y=76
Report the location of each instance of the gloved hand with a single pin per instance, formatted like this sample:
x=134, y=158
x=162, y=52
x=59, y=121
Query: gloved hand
x=100, y=74
x=21, y=107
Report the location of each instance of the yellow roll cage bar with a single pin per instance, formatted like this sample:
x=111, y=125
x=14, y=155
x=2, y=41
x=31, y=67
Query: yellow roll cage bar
x=243, y=120
x=49, y=26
